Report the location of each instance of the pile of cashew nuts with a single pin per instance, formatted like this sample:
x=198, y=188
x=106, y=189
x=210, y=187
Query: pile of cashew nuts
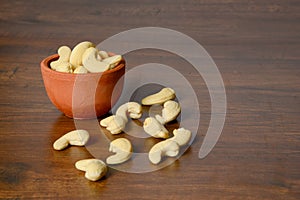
x=95, y=169
x=84, y=58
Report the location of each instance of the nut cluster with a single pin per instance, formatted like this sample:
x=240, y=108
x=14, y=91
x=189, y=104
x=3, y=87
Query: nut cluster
x=84, y=58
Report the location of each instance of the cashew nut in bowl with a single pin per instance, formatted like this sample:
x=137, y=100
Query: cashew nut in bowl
x=91, y=63
x=113, y=60
x=155, y=128
x=78, y=51
x=103, y=55
x=170, y=112
x=94, y=169
x=162, y=96
x=116, y=123
x=181, y=136
x=64, y=53
x=122, y=149
x=76, y=138
x=165, y=148
x=80, y=70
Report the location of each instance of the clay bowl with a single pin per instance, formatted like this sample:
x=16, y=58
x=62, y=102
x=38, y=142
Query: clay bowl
x=83, y=96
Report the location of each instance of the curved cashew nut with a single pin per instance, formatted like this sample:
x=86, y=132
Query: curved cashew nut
x=64, y=53
x=170, y=112
x=162, y=96
x=181, y=136
x=91, y=63
x=113, y=60
x=103, y=55
x=76, y=138
x=155, y=128
x=78, y=51
x=80, y=70
x=116, y=123
x=165, y=148
x=94, y=169
x=123, y=149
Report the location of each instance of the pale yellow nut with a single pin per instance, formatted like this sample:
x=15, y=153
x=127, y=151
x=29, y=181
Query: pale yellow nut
x=103, y=54
x=114, y=124
x=64, y=53
x=78, y=51
x=155, y=128
x=80, y=70
x=158, y=98
x=167, y=148
x=133, y=108
x=91, y=63
x=76, y=138
x=64, y=67
x=169, y=113
x=94, y=169
x=181, y=136
x=113, y=60
x=122, y=149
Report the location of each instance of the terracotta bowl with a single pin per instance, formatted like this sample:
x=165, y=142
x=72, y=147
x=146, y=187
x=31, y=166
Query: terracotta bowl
x=83, y=96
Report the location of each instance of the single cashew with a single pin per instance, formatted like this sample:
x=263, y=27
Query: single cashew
x=122, y=149
x=64, y=67
x=64, y=53
x=94, y=169
x=78, y=51
x=116, y=123
x=113, y=60
x=170, y=112
x=155, y=128
x=181, y=136
x=165, y=148
x=80, y=70
x=76, y=138
x=91, y=63
x=158, y=98
x=103, y=54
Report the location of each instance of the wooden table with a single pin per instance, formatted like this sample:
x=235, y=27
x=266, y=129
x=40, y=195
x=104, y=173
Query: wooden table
x=256, y=46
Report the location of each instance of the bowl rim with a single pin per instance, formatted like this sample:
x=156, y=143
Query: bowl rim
x=45, y=65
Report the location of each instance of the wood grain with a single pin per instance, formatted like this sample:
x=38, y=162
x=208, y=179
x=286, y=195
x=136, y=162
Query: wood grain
x=255, y=44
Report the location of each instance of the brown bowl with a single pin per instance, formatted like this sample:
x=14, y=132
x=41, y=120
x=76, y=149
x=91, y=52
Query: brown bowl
x=83, y=96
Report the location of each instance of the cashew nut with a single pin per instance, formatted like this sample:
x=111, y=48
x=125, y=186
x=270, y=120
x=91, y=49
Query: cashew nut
x=170, y=112
x=80, y=70
x=165, y=148
x=91, y=63
x=116, y=123
x=64, y=67
x=64, y=56
x=158, y=98
x=94, y=169
x=155, y=128
x=103, y=54
x=181, y=136
x=76, y=138
x=78, y=51
x=113, y=60
x=123, y=149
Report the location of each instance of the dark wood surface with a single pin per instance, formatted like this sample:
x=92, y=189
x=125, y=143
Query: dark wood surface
x=256, y=45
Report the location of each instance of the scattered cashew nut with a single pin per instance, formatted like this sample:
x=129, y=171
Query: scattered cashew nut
x=154, y=128
x=78, y=51
x=76, y=138
x=123, y=149
x=64, y=53
x=168, y=148
x=162, y=96
x=116, y=123
x=92, y=63
x=94, y=169
x=181, y=136
x=170, y=112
